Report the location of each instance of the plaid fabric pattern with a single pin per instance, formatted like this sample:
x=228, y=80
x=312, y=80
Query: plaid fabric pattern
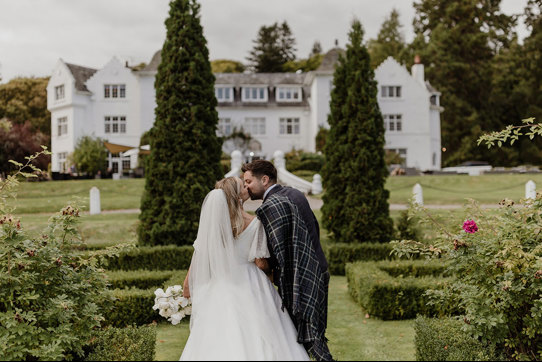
x=302, y=284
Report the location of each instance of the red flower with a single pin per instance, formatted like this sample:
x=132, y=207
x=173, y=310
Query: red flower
x=470, y=226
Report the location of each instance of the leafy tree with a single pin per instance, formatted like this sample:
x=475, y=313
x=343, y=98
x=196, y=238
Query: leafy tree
x=273, y=47
x=462, y=40
x=18, y=141
x=227, y=66
x=25, y=99
x=389, y=42
x=316, y=49
x=304, y=65
x=356, y=205
x=184, y=163
x=321, y=138
x=90, y=155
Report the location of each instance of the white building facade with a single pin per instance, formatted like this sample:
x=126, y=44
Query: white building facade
x=280, y=111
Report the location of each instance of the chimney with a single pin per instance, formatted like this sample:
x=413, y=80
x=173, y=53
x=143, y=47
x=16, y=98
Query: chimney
x=418, y=72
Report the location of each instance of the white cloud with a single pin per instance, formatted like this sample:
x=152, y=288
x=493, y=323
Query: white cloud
x=34, y=34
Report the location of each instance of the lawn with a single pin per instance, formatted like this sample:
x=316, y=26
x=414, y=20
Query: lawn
x=352, y=336
x=49, y=197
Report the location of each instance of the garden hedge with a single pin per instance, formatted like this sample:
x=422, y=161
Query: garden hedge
x=441, y=339
x=394, y=290
x=140, y=279
x=170, y=257
x=124, y=344
x=339, y=254
x=134, y=306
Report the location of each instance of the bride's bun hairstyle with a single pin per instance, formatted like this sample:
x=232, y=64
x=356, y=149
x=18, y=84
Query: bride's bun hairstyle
x=232, y=188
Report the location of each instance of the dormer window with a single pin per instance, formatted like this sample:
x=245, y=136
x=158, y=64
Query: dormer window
x=114, y=91
x=254, y=94
x=289, y=94
x=59, y=92
x=224, y=94
x=390, y=91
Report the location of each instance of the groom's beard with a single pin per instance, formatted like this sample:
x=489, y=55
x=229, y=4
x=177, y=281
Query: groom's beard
x=255, y=196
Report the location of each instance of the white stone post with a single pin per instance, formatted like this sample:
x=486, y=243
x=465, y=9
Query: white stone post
x=316, y=184
x=280, y=161
x=418, y=194
x=236, y=160
x=95, y=205
x=530, y=190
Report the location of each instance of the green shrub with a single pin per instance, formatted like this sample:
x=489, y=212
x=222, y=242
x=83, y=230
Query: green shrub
x=297, y=160
x=170, y=257
x=140, y=279
x=124, y=344
x=134, y=306
x=443, y=339
x=395, y=297
x=407, y=227
x=338, y=254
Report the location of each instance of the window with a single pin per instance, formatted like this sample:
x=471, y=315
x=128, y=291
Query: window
x=402, y=152
x=224, y=127
x=434, y=159
x=289, y=126
x=59, y=92
x=224, y=94
x=62, y=156
x=391, y=91
x=115, y=167
x=254, y=94
x=115, y=124
x=63, y=126
x=289, y=94
x=255, y=126
x=114, y=91
x=393, y=122
x=126, y=164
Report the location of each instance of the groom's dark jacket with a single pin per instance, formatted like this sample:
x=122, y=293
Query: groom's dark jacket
x=299, y=264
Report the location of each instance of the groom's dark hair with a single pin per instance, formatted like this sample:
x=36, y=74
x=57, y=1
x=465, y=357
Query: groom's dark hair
x=261, y=168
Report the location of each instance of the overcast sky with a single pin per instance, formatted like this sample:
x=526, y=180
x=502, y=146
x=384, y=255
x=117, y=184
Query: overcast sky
x=34, y=34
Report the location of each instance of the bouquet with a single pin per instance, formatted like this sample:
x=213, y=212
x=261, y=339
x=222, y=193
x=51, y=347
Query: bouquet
x=171, y=304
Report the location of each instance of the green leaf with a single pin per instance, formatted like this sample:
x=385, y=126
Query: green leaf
x=18, y=164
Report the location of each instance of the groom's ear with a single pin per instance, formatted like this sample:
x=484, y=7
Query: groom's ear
x=265, y=180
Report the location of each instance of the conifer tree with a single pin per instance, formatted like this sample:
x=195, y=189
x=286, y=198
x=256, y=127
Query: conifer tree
x=355, y=203
x=185, y=154
x=389, y=42
x=273, y=48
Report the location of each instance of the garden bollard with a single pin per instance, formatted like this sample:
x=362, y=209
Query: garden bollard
x=95, y=207
x=418, y=194
x=530, y=190
x=316, y=184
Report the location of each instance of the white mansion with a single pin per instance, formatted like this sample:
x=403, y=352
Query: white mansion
x=281, y=111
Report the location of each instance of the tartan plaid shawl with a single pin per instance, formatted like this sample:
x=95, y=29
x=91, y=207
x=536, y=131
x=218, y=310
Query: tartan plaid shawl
x=302, y=284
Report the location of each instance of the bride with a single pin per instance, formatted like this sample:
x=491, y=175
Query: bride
x=236, y=311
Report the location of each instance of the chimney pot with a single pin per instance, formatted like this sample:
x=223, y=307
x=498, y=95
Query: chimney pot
x=417, y=59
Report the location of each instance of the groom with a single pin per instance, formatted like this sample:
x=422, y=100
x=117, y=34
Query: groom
x=297, y=260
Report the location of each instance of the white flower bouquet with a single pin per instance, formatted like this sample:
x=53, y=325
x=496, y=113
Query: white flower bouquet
x=171, y=304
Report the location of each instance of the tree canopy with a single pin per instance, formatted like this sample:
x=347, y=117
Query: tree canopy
x=274, y=46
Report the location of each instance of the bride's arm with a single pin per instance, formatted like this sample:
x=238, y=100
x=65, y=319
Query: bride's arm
x=263, y=264
x=186, y=289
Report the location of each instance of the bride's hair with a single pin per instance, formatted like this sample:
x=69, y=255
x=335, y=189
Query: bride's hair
x=232, y=189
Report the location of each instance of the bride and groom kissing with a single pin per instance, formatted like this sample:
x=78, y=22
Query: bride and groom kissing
x=237, y=314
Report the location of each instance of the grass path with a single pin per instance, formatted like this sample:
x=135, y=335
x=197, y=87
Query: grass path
x=352, y=336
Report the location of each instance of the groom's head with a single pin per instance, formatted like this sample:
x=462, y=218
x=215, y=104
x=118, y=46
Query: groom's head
x=259, y=175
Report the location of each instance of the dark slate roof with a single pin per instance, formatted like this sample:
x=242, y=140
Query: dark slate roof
x=270, y=79
x=330, y=59
x=155, y=62
x=81, y=75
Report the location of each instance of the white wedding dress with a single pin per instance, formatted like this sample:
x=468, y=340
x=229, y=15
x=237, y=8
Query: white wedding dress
x=236, y=311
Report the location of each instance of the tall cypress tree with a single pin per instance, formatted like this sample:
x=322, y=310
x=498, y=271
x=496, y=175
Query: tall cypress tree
x=185, y=154
x=356, y=205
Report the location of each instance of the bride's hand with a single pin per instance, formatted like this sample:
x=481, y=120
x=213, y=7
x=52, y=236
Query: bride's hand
x=186, y=289
x=263, y=265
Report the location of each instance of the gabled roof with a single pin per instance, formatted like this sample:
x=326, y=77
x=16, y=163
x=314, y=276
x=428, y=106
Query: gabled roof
x=330, y=59
x=80, y=74
x=271, y=79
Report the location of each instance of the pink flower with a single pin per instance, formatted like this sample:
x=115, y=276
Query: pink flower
x=470, y=226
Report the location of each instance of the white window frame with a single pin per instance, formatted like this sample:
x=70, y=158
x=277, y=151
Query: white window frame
x=62, y=157
x=255, y=126
x=391, y=91
x=286, y=94
x=114, y=91
x=402, y=152
x=59, y=92
x=221, y=90
x=255, y=93
x=115, y=124
x=225, y=127
x=293, y=122
x=62, y=126
x=393, y=122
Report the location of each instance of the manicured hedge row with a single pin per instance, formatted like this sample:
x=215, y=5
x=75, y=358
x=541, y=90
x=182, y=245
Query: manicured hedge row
x=123, y=344
x=170, y=257
x=140, y=279
x=441, y=339
x=339, y=254
x=134, y=306
x=392, y=298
